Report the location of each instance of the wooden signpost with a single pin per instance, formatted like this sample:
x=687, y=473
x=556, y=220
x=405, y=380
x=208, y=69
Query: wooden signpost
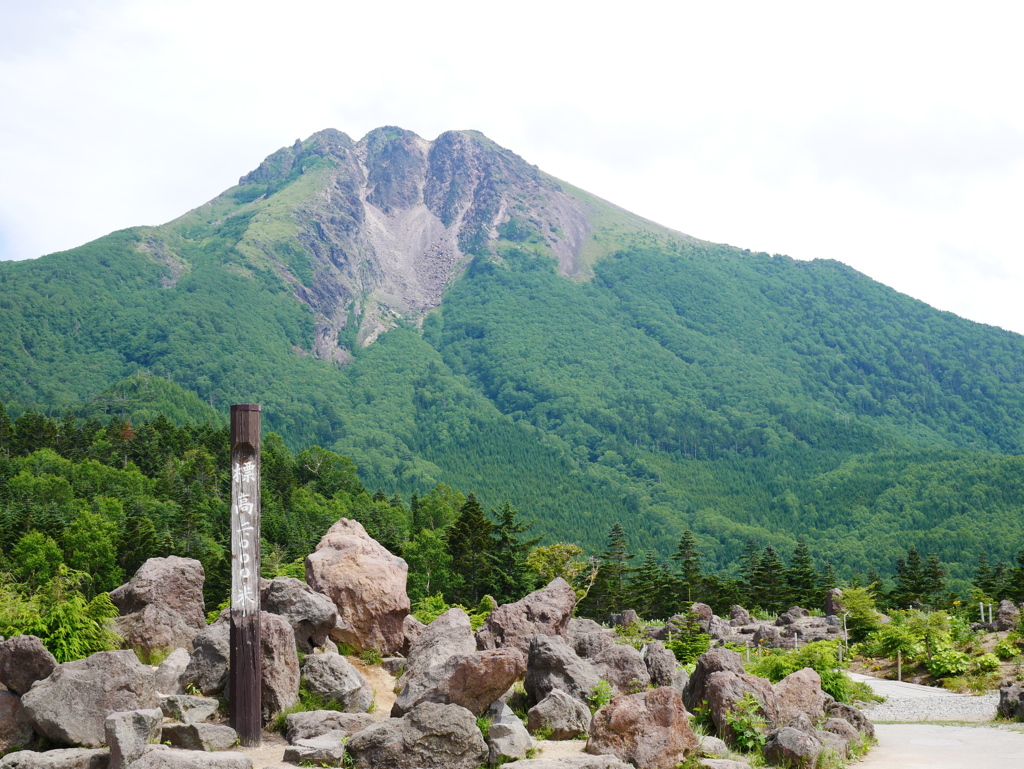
x=246, y=665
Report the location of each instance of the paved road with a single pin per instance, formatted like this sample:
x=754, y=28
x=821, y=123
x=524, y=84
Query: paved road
x=936, y=746
x=939, y=746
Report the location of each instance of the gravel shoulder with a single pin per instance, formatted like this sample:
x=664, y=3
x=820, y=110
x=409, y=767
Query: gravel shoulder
x=913, y=703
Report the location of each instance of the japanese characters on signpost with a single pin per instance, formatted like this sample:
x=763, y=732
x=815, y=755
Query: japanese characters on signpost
x=246, y=668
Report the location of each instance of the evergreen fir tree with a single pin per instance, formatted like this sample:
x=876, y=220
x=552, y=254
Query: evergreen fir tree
x=649, y=588
x=512, y=577
x=802, y=578
x=5, y=431
x=770, y=581
x=690, y=575
x=471, y=543
x=911, y=586
x=748, y=572
x=983, y=576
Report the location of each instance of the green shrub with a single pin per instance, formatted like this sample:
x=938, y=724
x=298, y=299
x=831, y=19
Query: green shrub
x=748, y=725
x=948, y=662
x=820, y=656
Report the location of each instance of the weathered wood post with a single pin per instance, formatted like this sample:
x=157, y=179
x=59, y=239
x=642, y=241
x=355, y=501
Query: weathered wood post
x=246, y=666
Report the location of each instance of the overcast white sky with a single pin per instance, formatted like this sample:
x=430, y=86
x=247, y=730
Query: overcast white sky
x=888, y=135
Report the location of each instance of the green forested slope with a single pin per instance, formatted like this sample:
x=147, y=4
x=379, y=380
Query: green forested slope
x=683, y=385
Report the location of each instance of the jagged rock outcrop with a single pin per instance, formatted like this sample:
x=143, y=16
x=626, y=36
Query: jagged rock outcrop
x=366, y=584
x=70, y=706
x=162, y=605
x=552, y=664
x=543, y=612
x=311, y=614
x=650, y=730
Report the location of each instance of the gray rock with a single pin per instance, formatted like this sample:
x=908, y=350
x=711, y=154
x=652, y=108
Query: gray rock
x=543, y=612
x=1011, y=700
x=800, y=692
x=725, y=689
x=23, y=661
x=738, y=617
x=723, y=763
x=446, y=636
x=66, y=758
x=162, y=605
x=15, y=730
x=473, y=680
x=430, y=736
x=553, y=665
x=842, y=727
x=192, y=759
x=712, y=747
x=71, y=705
x=566, y=717
x=574, y=762
x=316, y=723
x=623, y=667
x=394, y=666
x=280, y=683
x=508, y=742
x=366, y=584
x=333, y=677
x=207, y=669
x=411, y=628
x=325, y=750
x=1007, y=616
x=661, y=663
x=791, y=747
x=592, y=644
x=500, y=713
x=679, y=679
x=310, y=614
x=206, y=737
x=768, y=637
x=130, y=734
x=711, y=661
x=170, y=675
x=852, y=716
x=188, y=709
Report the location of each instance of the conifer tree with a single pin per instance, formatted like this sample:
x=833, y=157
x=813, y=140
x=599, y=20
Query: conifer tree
x=802, y=578
x=770, y=581
x=649, y=588
x=911, y=586
x=5, y=431
x=471, y=544
x=690, y=575
x=512, y=577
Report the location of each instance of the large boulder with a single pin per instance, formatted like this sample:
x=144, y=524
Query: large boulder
x=833, y=602
x=333, y=678
x=66, y=758
x=623, y=667
x=308, y=724
x=208, y=737
x=23, y=661
x=711, y=661
x=565, y=717
x=544, y=612
x=552, y=664
x=726, y=688
x=170, y=674
x=325, y=750
x=70, y=706
x=310, y=614
x=1011, y=700
x=280, y=683
x=162, y=605
x=188, y=709
x=130, y=735
x=508, y=741
x=739, y=617
x=192, y=759
x=792, y=747
x=473, y=680
x=207, y=669
x=800, y=692
x=366, y=584
x=650, y=730
x=430, y=736
x=446, y=636
x=1008, y=616
x=15, y=730
x=852, y=716
x=661, y=663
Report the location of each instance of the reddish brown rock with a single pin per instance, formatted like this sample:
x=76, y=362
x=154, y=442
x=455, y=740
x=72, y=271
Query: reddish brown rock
x=544, y=612
x=473, y=681
x=366, y=583
x=162, y=605
x=15, y=730
x=800, y=692
x=280, y=684
x=725, y=689
x=709, y=662
x=650, y=730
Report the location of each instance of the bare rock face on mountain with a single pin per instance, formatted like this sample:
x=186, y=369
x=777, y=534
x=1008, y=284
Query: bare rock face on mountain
x=162, y=605
x=366, y=584
x=389, y=221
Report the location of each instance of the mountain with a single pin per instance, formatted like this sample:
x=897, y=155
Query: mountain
x=445, y=312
